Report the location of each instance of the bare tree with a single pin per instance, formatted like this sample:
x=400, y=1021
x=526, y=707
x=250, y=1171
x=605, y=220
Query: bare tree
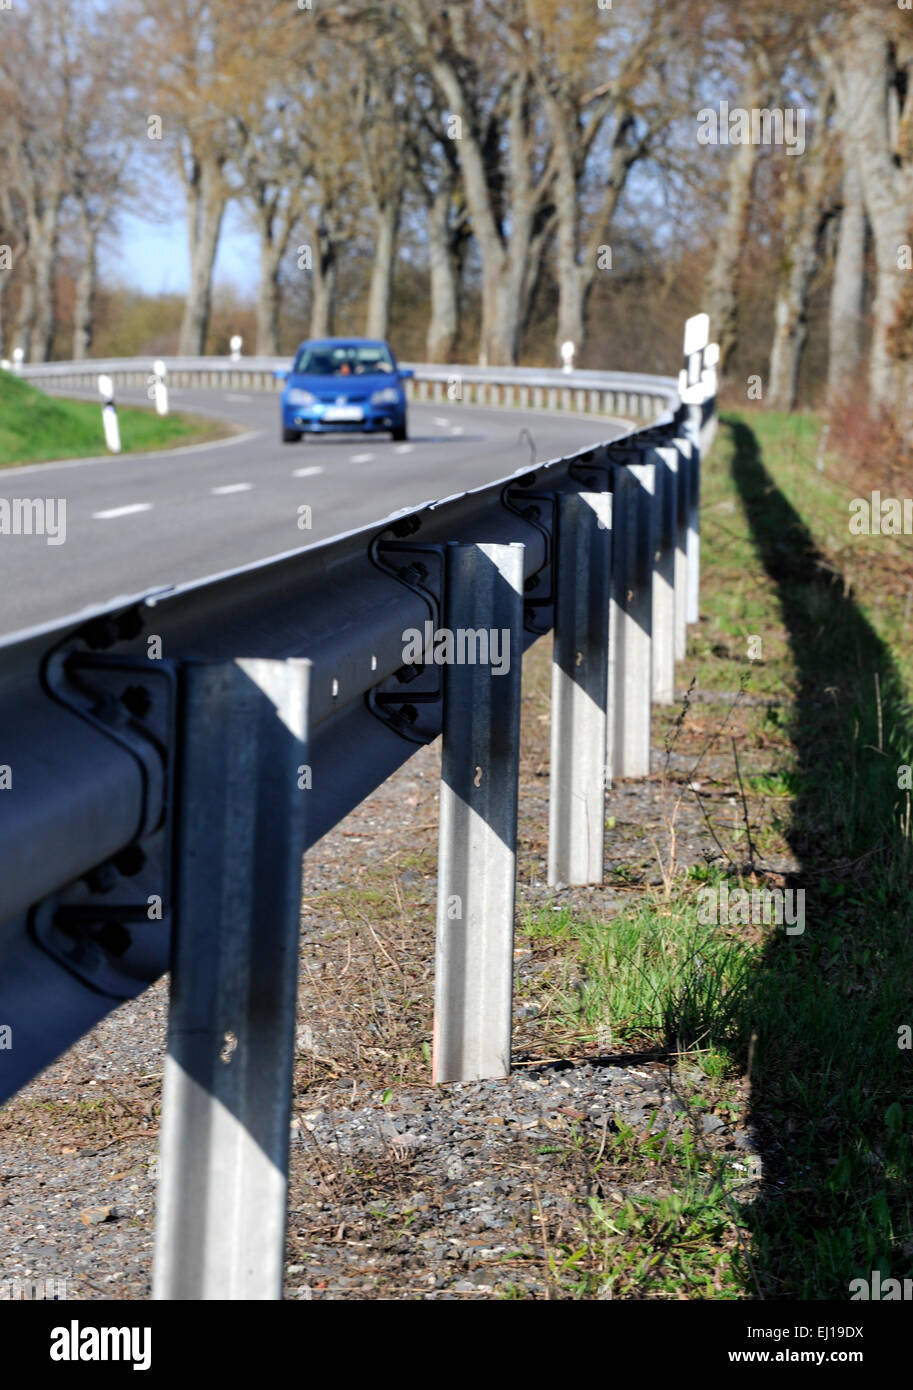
x=504, y=152
x=809, y=203
x=847, y=303
x=36, y=98
x=870, y=60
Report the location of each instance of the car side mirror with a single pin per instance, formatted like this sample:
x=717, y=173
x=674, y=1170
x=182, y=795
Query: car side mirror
x=281, y=374
x=406, y=373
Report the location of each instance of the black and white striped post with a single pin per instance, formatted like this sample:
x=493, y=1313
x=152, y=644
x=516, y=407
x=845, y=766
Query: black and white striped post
x=159, y=390
x=109, y=414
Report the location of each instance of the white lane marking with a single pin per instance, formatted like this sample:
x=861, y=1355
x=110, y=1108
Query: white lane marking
x=441, y=420
x=456, y=429
x=311, y=472
x=244, y=400
x=230, y=487
x=360, y=458
x=122, y=511
x=404, y=448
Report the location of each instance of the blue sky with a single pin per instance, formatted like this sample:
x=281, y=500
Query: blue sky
x=152, y=256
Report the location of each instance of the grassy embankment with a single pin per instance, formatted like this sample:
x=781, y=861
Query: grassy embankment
x=36, y=427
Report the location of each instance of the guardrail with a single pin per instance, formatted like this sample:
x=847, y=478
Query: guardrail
x=598, y=393
x=170, y=756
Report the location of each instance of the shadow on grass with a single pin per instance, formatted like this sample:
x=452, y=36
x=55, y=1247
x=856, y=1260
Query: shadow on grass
x=832, y=1099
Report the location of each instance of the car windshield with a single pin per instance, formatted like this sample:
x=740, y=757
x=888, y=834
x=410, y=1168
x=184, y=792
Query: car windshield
x=343, y=359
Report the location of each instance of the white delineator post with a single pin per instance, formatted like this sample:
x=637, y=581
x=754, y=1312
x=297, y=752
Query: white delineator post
x=236, y=343
x=697, y=336
x=568, y=353
x=18, y=359
x=109, y=414
x=710, y=382
x=159, y=389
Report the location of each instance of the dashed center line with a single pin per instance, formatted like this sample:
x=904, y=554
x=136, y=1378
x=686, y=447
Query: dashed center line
x=122, y=511
x=441, y=420
x=404, y=448
x=308, y=472
x=360, y=458
x=456, y=429
x=231, y=487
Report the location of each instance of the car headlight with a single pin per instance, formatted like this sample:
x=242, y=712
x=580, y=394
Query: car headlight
x=299, y=397
x=388, y=396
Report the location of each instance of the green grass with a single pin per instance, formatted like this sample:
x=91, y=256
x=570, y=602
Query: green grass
x=812, y=1020
x=36, y=428
x=653, y=977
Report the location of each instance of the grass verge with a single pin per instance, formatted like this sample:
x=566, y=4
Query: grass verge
x=38, y=428
x=796, y=749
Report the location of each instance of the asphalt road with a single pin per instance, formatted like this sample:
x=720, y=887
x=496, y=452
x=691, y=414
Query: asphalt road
x=136, y=522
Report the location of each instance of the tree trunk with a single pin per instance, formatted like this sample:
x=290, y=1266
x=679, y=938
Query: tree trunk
x=377, y=324
x=444, y=321
x=567, y=266
x=268, y=298
x=888, y=189
x=804, y=218
x=848, y=290
x=25, y=317
x=84, y=310
x=206, y=196
x=44, y=267
x=720, y=292
x=323, y=304
x=503, y=261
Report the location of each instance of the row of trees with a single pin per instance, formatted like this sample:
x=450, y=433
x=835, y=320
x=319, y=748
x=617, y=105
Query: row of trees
x=501, y=144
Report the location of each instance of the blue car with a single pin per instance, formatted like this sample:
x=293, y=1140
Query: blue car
x=343, y=384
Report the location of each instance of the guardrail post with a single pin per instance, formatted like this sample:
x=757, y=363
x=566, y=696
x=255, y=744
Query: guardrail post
x=478, y=834
x=664, y=578
x=580, y=669
x=631, y=625
x=228, y=1073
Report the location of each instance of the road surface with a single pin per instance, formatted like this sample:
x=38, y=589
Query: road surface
x=144, y=521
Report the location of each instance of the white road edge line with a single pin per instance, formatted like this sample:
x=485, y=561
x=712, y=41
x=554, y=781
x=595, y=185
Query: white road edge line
x=122, y=511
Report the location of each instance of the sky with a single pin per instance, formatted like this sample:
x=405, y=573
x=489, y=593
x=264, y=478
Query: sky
x=152, y=256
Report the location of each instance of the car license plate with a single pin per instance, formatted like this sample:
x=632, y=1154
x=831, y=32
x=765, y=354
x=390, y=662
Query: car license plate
x=343, y=412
